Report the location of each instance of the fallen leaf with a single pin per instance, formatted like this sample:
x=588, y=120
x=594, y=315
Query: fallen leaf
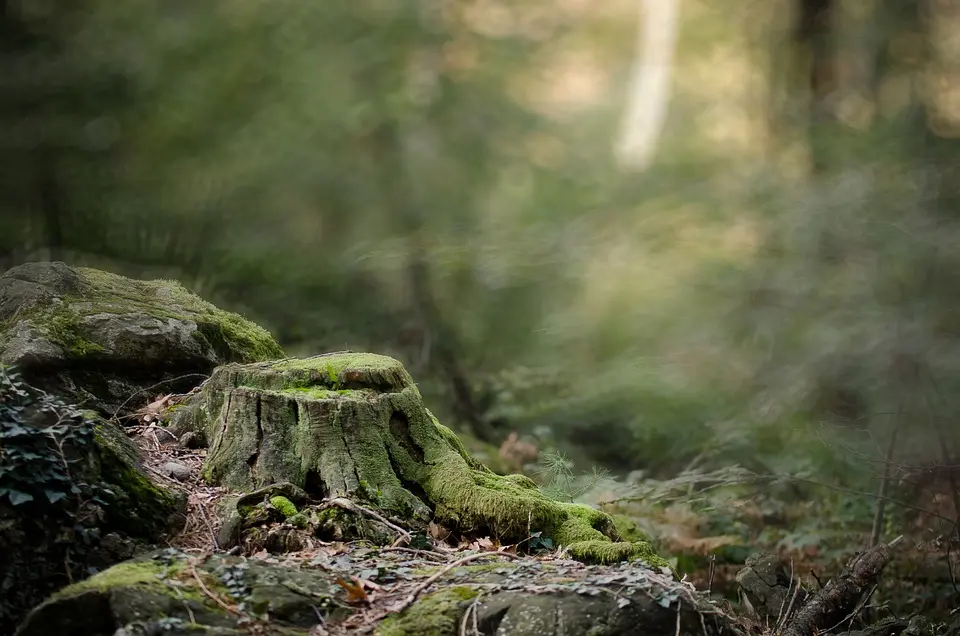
x=354, y=588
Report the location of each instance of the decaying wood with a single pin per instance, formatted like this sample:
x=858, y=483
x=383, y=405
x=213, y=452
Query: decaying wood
x=843, y=596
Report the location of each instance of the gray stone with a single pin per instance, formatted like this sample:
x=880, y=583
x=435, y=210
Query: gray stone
x=177, y=471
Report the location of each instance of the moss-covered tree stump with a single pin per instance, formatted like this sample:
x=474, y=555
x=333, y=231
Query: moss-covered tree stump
x=354, y=425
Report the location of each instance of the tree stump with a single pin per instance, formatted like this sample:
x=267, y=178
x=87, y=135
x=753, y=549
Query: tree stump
x=353, y=425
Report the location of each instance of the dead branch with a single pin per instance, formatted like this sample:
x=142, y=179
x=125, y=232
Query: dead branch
x=842, y=596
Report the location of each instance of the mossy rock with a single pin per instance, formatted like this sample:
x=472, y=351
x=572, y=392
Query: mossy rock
x=41, y=546
x=100, y=337
x=354, y=425
x=172, y=593
x=169, y=593
x=436, y=614
x=139, y=508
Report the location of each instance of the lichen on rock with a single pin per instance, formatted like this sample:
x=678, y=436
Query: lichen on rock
x=354, y=425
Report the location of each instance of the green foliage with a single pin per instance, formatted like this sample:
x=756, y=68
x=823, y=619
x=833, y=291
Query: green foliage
x=561, y=483
x=47, y=447
x=437, y=187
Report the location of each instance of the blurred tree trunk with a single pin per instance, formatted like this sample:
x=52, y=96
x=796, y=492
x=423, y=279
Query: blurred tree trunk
x=407, y=148
x=49, y=199
x=814, y=40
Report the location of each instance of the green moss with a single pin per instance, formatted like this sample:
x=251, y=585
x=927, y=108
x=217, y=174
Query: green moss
x=510, y=508
x=139, y=507
x=522, y=480
x=627, y=529
x=299, y=520
x=145, y=573
x=345, y=370
x=64, y=329
x=284, y=505
x=231, y=336
x=435, y=615
x=323, y=393
x=606, y=552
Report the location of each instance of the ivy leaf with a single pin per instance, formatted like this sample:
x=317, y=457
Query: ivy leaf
x=18, y=497
x=53, y=496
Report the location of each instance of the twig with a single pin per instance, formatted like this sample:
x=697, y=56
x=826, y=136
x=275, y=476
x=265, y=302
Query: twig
x=430, y=581
x=793, y=599
x=115, y=417
x=878, y=515
x=186, y=606
x=781, y=617
x=856, y=610
x=346, y=504
x=419, y=553
x=206, y=521
x=472, y=610
x=216, y=599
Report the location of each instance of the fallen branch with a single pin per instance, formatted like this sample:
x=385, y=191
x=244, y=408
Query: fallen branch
x=350, y=506
x=840, y=597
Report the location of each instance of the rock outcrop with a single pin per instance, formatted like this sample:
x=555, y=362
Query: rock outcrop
x=73, y=498
x=176, y=595
x=101, y=338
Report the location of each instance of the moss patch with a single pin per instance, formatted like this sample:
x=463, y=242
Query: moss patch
x=284, y=505
x=61, y=318
x=606, y=552
x=143, y=573
x=139, y=507
x=435, y=615
x=356, y=425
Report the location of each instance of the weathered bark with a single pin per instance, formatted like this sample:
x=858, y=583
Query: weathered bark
x=353, y=425
x=840, y=598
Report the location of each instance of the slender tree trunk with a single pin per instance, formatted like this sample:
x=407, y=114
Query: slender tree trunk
x=49, y=196
x=815, y=43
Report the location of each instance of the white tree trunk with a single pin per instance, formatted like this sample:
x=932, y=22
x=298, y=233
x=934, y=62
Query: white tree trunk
x=649, y=91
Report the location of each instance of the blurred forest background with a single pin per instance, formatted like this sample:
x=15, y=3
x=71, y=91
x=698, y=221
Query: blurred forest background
x=747, y=321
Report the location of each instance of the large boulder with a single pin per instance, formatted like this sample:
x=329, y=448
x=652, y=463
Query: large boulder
x=101, y=338
x=353, y=425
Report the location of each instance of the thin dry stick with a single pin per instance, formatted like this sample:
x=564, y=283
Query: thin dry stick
x=115, y=417
x=878, y=516
x=793, y=599
x=419, y=553
x=430, y=581
x=216, y=599
x=856, y=610
x=346, y=504
x=206, y=521
x=780, y=615
x=473, y=609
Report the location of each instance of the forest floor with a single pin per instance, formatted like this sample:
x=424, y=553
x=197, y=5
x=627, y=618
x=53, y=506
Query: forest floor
x=709, y=537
